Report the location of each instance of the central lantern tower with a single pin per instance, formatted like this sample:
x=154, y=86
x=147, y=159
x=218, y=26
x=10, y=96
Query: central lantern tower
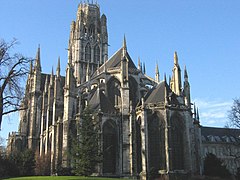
x=88, y=42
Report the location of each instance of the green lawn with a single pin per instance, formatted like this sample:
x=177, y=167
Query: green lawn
x=61, y=178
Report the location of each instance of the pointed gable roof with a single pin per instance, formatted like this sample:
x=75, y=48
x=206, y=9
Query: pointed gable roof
x=157, y=94
x=115, y=61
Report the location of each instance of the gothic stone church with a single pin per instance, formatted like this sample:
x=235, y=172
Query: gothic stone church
x=146, y=124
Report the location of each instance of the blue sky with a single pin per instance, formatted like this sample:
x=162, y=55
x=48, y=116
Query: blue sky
x=206, y=35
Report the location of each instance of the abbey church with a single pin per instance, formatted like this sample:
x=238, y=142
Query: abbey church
x=146, y=123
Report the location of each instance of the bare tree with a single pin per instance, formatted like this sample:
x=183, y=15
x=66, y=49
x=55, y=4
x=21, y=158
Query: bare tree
x=14, y=68
x=234, y=114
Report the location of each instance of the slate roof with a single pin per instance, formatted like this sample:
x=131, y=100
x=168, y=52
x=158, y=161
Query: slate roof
x=157, y=94
x=220, y=135
x=115, y=61
x=98, y=100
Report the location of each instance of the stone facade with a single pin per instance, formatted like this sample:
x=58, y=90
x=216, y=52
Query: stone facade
x=146, y=125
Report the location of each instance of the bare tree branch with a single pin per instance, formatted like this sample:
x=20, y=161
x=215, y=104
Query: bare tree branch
x=13, y=70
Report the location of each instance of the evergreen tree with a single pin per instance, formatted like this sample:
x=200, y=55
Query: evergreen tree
x=85, y=149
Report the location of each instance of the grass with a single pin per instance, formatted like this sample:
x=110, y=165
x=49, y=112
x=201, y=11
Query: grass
x=61, y=178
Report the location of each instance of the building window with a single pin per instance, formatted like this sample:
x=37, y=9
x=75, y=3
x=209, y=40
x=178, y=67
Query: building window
x=91, y=30
x=156, y=141
x=88, y=53
x=97, y=54
x=110, y=144
x=177, y=143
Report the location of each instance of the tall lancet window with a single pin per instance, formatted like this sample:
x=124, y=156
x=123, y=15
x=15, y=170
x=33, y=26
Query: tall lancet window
x=97, y=54
x=91, y=30
x=88, y=53
x=177, y=146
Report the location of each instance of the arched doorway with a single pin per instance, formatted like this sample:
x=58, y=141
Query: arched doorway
x=110, y=143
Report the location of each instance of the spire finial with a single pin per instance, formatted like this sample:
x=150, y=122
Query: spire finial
x=175, y=58
x=194, y=111
x=58, y=67
x=52, y=71
x=144, y=68
x=124, y=48
x=197, y=115
x=37, y=62
x=51, y=78
x=165, y=77
x=157, y=70
x=124, y=42
x=139, y=63
x=185, y=73
x=157, y=79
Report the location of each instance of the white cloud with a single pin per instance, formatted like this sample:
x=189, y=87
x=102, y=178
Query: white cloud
x=213, y=112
